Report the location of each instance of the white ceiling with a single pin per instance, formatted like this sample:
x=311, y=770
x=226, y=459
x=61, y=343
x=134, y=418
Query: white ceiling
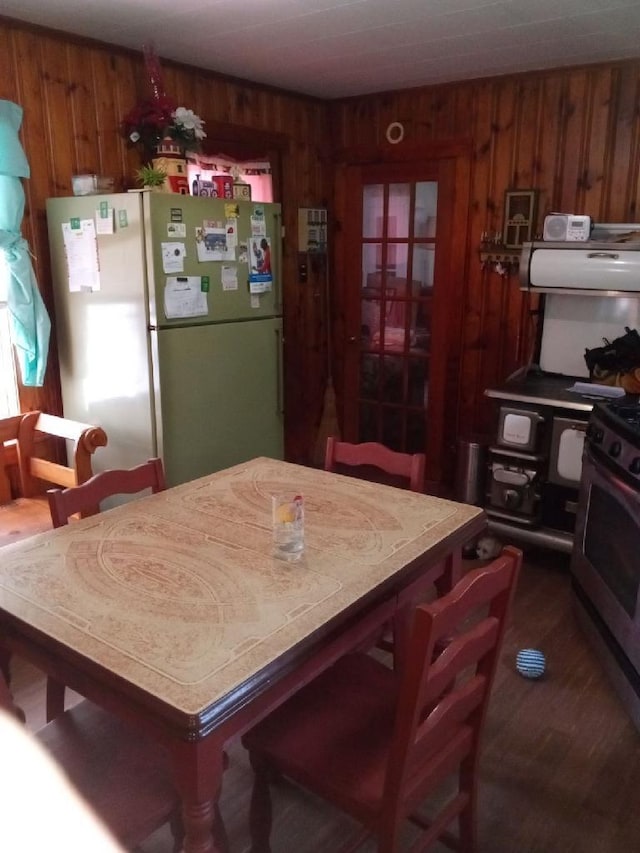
x=335, y=48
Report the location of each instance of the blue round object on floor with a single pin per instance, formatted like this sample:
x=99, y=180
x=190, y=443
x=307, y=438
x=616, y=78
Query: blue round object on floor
x=530, y=663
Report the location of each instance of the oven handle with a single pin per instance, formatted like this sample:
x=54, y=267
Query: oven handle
x=611, y=256
x=601, y=470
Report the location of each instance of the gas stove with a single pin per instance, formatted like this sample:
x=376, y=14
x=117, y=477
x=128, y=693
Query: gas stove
x=613, y=436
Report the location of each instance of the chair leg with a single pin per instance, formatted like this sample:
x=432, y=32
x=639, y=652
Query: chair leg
x=220, y=831
x=55, y=699
x=467, y=819
x=176, y=825
x=260, y=814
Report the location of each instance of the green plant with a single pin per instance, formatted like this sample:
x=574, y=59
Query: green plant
x=149, y=176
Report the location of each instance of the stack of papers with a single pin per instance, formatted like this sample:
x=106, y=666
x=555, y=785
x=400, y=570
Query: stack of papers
x=589, y=389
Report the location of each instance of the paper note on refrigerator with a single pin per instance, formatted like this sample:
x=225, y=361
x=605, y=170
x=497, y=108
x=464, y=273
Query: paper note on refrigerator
x=184, y=297
x=173, y=255
x=229, y=277
x=81, y=250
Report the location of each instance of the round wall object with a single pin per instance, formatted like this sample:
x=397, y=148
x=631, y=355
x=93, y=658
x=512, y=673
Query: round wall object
x=395, y=132
x=530, y=663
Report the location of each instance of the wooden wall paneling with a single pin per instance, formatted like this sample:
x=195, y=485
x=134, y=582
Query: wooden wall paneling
x=523, y=157
x=494, y=167
x=574, y=126
x=550, y=147
x=454, y=174
x=480, y=281
x=463, y=104
x=338, y=278
x=55, y=89
x=84, y=122
x=8, y=77
x=495, y=326
x=623, y=149
x=23, y=49
x=591, y=181
x=108, y=111
x=524, y=176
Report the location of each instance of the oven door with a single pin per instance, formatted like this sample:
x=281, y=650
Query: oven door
x=565, y=454
x=605, y=561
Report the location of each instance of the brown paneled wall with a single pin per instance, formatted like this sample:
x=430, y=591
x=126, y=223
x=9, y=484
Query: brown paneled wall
x=75, y=93
x=574, y=134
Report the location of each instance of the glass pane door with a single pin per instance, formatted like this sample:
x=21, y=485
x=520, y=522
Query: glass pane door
x=398, y=251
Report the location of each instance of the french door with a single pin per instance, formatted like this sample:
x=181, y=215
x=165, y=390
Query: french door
x=399, y=313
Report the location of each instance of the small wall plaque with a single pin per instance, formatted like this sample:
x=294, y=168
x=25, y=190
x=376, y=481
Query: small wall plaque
x=519, y=216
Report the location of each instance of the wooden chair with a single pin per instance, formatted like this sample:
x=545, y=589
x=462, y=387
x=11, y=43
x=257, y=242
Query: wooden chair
x=404, y=469
x=26, y=442
x=85, y=499
x=124, y=776
x=375, y=743
x=370, y=460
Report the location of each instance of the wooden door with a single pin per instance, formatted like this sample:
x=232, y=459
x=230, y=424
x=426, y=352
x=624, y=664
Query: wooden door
x=403, y=307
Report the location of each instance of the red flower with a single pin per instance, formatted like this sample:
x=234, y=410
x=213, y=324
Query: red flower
x=149, y=120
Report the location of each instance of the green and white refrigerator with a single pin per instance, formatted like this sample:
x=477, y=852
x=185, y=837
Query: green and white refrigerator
x=168, y=317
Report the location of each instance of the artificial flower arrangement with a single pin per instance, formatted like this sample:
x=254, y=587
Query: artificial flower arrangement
x=158, y=118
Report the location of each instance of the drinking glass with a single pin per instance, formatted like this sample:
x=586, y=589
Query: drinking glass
x=287, y=510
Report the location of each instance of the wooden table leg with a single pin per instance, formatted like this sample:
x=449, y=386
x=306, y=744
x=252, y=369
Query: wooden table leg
x=198, y=769
x=5, y=664
x=452, y=573
x=403, y=618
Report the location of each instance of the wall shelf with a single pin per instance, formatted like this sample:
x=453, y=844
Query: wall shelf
x=503, y=261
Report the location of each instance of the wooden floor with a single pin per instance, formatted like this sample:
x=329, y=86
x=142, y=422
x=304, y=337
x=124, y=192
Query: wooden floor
x=561, y=759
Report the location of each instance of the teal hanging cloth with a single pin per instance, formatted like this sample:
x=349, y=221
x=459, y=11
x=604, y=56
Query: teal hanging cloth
x=28, y=318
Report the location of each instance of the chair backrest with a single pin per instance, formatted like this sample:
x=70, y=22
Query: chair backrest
x=86, y=498
x=23, y=443
x=443, y=697
x=370, y=454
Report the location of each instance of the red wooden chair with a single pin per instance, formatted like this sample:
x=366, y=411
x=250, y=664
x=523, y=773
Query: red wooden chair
x=85, y=499
x=403, y=469
x=124, y=777
x=375, y=743
x=373, y=461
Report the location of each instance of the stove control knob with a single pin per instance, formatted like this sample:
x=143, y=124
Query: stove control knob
x=635, y=465
x=615, y=449
x=595, y=433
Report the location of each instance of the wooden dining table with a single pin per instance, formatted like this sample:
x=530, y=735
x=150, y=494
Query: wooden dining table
x=172, y=612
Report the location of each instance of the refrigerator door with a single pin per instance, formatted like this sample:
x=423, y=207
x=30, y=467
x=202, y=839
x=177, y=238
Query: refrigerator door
x=103, y=342
x=218, y=395
x=177, y=224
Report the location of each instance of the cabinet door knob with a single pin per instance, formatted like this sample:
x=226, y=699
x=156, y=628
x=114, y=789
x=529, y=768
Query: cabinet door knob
x=352, y=339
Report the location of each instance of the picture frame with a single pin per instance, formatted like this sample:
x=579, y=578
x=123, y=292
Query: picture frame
x=519, y=217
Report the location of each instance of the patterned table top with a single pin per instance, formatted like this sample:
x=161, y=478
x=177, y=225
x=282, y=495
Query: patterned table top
x=178, y=592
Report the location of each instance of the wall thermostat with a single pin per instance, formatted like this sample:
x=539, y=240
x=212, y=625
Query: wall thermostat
x=566, y=227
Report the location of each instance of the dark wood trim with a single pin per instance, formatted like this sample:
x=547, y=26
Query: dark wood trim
x=244, y=143
x=404, y=152
x=257, y=142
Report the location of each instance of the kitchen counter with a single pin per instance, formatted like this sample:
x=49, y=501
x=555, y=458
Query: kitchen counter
x=543, y=389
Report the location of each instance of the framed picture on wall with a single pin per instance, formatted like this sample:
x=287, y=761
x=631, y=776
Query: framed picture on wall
x=519, y=217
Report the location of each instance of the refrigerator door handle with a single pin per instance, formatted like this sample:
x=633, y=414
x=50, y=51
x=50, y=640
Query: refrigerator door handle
x=279, y=374
x=278, y=262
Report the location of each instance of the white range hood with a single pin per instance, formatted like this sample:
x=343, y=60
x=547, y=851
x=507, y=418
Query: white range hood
x=605, y=266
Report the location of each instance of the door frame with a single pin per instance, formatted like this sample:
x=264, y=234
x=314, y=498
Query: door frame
x=452, y=159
